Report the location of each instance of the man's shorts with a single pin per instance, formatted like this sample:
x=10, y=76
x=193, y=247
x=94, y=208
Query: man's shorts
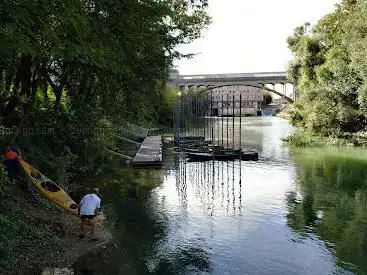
x=89, y=217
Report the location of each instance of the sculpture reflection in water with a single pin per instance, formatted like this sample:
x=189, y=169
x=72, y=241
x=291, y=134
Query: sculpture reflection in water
x=216, y=185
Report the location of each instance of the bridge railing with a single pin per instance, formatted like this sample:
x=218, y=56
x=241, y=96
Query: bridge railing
x=235, y=75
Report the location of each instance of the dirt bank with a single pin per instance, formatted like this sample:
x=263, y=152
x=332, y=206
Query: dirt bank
x=40, y=235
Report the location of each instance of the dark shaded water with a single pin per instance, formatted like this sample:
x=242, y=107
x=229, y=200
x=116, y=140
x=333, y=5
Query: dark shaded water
x=292, y=212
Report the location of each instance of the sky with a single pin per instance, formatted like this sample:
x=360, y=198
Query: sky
x=250, y=35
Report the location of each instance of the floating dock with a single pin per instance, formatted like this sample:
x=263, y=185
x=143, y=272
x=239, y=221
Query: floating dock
x=149, y=153
x=222, y=155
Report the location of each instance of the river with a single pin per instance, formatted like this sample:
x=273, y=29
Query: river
x=293, y=212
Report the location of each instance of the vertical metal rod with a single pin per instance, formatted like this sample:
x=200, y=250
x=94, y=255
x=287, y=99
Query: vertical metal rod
x=211, y=115
x=222, y=109
x=181, y=116
x=218, y=122
x=227, y=187
x=188, y=115
x=178, y=122
x=174, y=117
x=201, y=117
x=185, y=119
x=222, y=183
x=240, y=142
x=194, y=127
x=197, y=116
x=233, y=195
x=193, y=114
x=227, y=117
x=233, y=109
x=240, y=134
x=189, y=111
x=213, y=189
x=204, y=118
x=207, y=116
x=185, y=115
x=182, y=122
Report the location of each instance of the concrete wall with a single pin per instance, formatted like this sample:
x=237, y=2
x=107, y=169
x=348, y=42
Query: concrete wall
x=247, y=93
x=244, y=112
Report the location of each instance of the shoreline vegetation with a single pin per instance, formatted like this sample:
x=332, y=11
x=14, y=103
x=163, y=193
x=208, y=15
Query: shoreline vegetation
x=63, y=65
x=285, y=113
x=69, y=66
x=329, y=70
x=303, y=138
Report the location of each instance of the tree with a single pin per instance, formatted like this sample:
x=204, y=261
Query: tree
x=268, y=98
x=327, y=68
x=81, y=63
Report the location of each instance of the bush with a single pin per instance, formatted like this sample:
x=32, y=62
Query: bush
x=4, y=183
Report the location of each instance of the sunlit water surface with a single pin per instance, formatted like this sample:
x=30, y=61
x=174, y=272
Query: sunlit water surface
x=292, y=212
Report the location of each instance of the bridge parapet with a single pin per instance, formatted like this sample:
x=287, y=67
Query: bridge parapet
x=226, y=79
x=281, y=75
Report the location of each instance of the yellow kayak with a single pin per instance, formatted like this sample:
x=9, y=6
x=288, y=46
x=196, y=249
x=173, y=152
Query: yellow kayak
x=49, y=188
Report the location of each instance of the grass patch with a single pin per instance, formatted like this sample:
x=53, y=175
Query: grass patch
x=302, y=138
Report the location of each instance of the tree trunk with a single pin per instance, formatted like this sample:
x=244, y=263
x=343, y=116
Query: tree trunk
x=26, y=79
x=18, y=77
x=58, y=93
x=29, y=105
x=35, y=82
x=45, y=90
x=8, y=80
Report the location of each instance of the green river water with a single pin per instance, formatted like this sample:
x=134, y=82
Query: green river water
x=293, y=212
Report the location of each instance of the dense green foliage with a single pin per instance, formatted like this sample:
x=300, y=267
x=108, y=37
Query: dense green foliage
x=331, y=202
x=268, y=98
x=330, y=70
x=72, y=73
x=21, y=235
x=68, y=66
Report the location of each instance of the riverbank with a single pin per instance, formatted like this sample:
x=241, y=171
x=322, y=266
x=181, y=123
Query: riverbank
x=301, y=138
x=314, y=205
x=37, y=235
x=285, y=113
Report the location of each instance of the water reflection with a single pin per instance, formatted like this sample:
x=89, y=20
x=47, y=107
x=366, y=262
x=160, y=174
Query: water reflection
x=263, y=135
x=216, y=185
x=299, y=212
x=331, y=202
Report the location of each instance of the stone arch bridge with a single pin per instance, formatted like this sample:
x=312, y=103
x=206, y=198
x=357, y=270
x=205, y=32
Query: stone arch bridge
x=212, y=81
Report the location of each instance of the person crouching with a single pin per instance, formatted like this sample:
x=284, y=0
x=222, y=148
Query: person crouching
x=88, y=209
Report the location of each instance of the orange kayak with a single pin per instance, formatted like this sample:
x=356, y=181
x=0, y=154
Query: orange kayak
x=49, y=189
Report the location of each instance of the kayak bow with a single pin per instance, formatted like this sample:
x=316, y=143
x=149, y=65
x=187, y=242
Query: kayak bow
x=49, y=189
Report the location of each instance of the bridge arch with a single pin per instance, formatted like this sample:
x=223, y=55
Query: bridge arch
x=260, y=86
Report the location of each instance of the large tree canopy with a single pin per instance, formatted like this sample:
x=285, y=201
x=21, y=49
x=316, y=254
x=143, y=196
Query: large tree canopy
x=89, y=64
x=329, y=69
x=92, y=50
